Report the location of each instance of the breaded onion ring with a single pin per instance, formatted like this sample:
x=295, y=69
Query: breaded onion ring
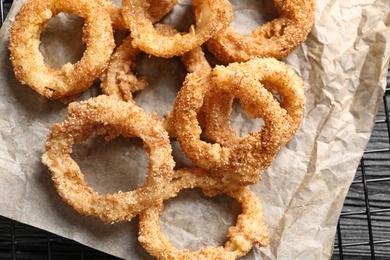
x=195, y=63
x=107, y=115
x=248, y=231
x=241, y=162
x=114, y=12
x=119, y=80
x=280, y=80
x=277, y=38
x=157, y=10
x=212, y=16
x=71, y=79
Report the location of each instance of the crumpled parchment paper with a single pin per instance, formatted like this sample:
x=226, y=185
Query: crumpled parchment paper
x=343, y=63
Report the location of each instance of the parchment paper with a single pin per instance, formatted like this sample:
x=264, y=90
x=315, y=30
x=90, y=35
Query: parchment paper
x=343, y=63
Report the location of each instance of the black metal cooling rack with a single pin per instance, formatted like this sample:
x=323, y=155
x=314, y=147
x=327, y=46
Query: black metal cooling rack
x=363, y=231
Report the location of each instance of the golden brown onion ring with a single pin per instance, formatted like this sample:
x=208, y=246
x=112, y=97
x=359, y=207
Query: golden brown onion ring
x=114, y=12
x=241, y=162
x=280, y=80
x=195, y=63
x=248, y=231
x=277, y=38
x=212, y=16
x=119, y=80
x=107, y=115
x=157, y=10
x=217, y=109
x=70, y=79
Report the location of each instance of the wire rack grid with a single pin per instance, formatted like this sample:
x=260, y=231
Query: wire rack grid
x=363, y=230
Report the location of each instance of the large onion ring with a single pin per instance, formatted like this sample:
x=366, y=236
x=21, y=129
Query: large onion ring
x=243, y=160
x=71, y=79
x=248, y=231
x=277, y=38
x=103, y=115
x=212, y=16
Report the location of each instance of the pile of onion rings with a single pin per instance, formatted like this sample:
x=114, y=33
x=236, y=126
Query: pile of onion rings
x=226, y=163
x=254, y=83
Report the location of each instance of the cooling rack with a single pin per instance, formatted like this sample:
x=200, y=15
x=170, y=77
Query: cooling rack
x=363, y=230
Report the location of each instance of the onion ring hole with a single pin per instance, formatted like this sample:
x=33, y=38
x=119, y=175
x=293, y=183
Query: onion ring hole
x=64, y=32
x=186, y=234
x=99, y=158
x=183, y=19
x=244, y=124
x=164, y=76
x=251, y=15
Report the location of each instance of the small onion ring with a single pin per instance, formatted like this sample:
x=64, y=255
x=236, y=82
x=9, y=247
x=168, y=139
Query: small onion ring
x=242, y=161
x=277, y=38
x=71, y=79
x=212, y=16
x=248, y=231
x=103, y=115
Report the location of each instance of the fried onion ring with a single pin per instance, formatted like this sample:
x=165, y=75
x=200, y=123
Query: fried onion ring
x=195, y=63
x=212, y=16
x=277, y=38
x=280, y=80
x=71, y=79
x=114, y=12
x=119, y=80
x=157, y=10
x=107, y=115
x=241, y=162
x=248, y=231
